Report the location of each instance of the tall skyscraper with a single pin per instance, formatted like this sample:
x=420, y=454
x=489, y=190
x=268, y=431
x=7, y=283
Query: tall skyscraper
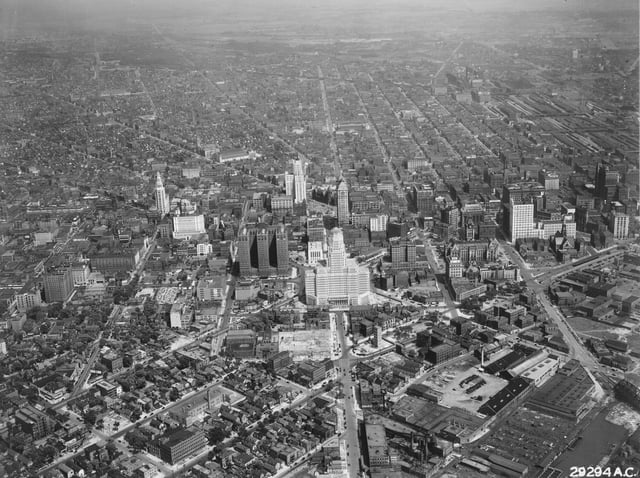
x=295, y=185
x=289, y=181
x=162, y=201
x=451, y=215
x=316, y=230
x=58, y=283
x=281, y=241
x=454, y=267
x=343, y=202
x=315, y=252
x=342, y=282
x=246, y=242
x=336, y=252
x=300, y=182
x=424, y=198
x=264, y=246
x=263, y=251
x=619, y=225
x=403, y=254
x=518, y=220
x=606, y=182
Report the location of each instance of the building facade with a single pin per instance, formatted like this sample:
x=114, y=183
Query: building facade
x=403, y=254
x=342, y=282
x=606, y=182
x=343, y=203
x=315, y=252
x=162, y=201
x=550, y=180
x=619, y=225
x=58, y=284
x=518, y=217
x=299, y=183
x=474, y=251
x=263, y=250
x=185, y=227
x=181, y=444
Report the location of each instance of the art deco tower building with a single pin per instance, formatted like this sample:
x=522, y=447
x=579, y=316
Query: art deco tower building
x=343, y=203
x=162, y=201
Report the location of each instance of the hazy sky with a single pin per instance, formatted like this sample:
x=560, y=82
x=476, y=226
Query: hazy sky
x=17, y=14
x=151, y=7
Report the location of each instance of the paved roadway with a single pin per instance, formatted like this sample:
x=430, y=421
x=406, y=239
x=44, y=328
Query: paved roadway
x=439, y=274
x=566, y=268
x=327, y=112
x=146, y=93
x=343, y=367
x=447, y=61
x=577, y=349
x=84, y=375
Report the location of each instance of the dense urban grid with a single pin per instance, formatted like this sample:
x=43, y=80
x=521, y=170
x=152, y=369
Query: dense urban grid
x=319, y=241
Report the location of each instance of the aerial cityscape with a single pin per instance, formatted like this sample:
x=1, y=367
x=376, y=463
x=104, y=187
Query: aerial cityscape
x=319, y=239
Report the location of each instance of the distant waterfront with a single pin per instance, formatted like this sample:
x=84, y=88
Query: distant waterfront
x=599, y=440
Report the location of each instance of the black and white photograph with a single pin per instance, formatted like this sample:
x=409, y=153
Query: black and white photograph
x=319, y=239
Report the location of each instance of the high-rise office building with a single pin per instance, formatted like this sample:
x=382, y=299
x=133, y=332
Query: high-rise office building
x=27, y=301
x=58, y=283
x=343, y=203
x=606, y=182
x=424, y=199
x=451, y=215
x=619, y=225
x=549, y=180
x=472, y=213
x=264, y=245
x=315, y=252
x=299, y=183
x=378, y=223
x=289, y=181
x=281, y=205
x=336, y=251
x=244, y=254
x=518, y=220
x=162, y=201
x=295, y=184
x=316, y=230
x=342, y=282
x=263, y=251
x=454, y=267
x=403, y=254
